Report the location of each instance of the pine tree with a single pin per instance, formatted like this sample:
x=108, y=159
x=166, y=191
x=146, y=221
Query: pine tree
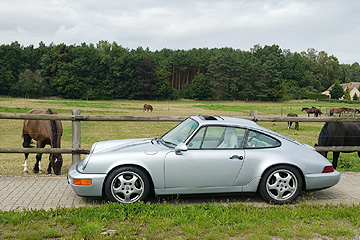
x=337, y=91
x=347, y=94
x=355, y=97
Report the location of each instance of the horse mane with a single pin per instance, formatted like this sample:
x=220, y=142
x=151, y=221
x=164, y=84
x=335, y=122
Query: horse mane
x=53, y=129
x=324, y=135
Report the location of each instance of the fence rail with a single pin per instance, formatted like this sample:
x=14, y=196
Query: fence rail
x=24, y=116
x=46, y=150
x=76, y=118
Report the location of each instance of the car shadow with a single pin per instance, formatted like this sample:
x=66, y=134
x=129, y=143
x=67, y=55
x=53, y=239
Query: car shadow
x=244, y=198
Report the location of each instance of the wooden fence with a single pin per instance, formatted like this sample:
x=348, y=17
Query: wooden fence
x=76, y=118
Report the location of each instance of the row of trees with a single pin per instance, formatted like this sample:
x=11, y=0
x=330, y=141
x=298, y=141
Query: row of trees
x=110, y=71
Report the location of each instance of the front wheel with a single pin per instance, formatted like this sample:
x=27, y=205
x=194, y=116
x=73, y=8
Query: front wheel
x=127, y=185
x=280, y=184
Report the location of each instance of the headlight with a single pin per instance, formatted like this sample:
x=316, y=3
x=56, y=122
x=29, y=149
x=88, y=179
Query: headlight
x=82, y=164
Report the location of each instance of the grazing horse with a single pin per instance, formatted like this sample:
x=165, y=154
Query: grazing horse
x=290, y=123
x=350, y=110
x=148, y=107
x=337, y=110
x=45, y=132
x=312, y=110
x=339, y=134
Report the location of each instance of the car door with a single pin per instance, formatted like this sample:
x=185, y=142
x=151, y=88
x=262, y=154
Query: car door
x=213, y=159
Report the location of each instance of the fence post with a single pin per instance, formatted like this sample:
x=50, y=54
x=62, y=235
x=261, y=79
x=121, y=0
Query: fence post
x=76, y=136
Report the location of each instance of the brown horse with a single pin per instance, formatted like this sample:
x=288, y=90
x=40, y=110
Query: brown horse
x=290, y=123
x=148, y=107
x=45, y=132
x=339, y=134
x=312, y=110
x=337, y=110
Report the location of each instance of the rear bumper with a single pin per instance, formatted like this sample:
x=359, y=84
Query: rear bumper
x=321, y=180
x=93, y=190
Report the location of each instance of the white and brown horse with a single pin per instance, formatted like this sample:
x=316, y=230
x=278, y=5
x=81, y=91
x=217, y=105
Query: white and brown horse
x=290, y=123
x=45, y=132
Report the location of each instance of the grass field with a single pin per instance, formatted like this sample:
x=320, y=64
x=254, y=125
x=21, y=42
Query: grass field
x=169, y=220
x=10, y=130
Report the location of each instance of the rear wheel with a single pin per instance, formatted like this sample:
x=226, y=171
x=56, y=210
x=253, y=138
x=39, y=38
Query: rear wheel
x=280, y=184
x=127, y=185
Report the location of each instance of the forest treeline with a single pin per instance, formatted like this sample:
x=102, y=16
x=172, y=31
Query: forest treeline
x=110, y=71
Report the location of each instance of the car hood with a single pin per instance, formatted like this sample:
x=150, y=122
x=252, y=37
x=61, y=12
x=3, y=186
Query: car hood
x=116, y=145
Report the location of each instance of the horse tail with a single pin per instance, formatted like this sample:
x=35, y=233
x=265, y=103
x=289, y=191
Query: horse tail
x=53, y=130
x=324, y=135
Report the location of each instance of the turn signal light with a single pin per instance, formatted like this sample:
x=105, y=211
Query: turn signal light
x=328, y=169
x=84, y=182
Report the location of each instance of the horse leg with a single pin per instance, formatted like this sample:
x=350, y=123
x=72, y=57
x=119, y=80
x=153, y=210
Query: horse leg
x=297, y=125
x=289, y=125
x=26, y=144
x=335, y=159
x=49, y=167
x=37, y=166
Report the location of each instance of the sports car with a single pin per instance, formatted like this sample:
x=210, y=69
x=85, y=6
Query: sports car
x=203, y=154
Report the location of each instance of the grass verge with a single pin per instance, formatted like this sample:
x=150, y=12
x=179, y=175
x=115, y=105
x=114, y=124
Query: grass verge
x=178, y=221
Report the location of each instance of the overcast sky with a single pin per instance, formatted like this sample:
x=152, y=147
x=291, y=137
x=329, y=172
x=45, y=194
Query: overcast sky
x=332, y=26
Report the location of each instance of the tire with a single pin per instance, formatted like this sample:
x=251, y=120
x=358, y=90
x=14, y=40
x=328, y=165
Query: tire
x=280, y=184
x=127, y=185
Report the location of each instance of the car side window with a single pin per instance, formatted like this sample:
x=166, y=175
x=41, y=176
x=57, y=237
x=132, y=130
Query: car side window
x=197, y=140
x=260, y=140
x=217, y=137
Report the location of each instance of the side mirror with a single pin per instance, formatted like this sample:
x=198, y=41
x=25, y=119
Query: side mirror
x=181, y=147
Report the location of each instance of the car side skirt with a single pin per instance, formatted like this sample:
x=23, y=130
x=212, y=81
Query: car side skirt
x=183, y=190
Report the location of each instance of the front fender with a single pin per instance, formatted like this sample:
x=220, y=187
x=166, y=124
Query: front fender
x=104, y=163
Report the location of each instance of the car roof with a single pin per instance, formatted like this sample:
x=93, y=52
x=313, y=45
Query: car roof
x=224, y=120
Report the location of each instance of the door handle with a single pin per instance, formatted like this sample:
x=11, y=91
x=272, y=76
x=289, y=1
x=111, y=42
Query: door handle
x=237, y=157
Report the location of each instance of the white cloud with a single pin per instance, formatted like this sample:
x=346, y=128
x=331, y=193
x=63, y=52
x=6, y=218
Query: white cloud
x=297, y=25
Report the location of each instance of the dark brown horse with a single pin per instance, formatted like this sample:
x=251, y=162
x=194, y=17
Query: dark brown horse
x=290, y=123
x=339, y=134
x=337, y=110
x=312, y=110
x=148, y=107
x=45, y=132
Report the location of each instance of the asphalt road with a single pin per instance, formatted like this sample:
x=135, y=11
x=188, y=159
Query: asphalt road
x=50, y=192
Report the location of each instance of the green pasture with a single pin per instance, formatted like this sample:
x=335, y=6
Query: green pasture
x=11, y=130
x=162, y=219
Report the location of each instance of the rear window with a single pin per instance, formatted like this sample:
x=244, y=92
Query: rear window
x=260, y=140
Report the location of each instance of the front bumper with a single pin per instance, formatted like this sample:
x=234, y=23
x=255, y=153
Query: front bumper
x=321, y=180
x=93, y=190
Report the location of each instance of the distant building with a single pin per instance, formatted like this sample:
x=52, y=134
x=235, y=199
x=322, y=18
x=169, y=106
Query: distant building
x=353, y=87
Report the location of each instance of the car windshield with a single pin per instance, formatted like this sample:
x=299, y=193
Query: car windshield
x=180, y=133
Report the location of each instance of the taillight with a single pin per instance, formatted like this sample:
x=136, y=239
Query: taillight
x=328, y=169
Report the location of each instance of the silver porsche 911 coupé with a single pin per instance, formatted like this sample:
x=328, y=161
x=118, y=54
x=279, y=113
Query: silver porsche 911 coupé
x=203, y=154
